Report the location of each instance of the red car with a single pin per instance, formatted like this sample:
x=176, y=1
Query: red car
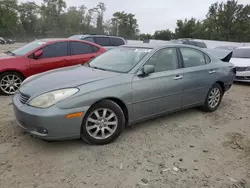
x=40, y=56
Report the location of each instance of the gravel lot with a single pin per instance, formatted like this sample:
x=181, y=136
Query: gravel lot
x=186, y=149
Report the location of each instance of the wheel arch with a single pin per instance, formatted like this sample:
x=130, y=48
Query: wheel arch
x=120, y=103
x=222, y=85
x=13, y=70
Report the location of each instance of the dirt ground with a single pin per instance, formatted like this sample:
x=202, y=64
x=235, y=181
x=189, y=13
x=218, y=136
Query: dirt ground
x=186, y=149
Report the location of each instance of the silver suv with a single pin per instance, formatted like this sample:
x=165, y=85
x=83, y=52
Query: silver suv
x=106, y=41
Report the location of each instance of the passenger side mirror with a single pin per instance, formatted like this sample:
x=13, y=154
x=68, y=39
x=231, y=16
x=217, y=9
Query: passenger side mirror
x=38, y=54
x=146, y=70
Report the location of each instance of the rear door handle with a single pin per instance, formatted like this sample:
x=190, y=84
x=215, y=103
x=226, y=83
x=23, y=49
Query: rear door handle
x=178, y=77
x=211, y=71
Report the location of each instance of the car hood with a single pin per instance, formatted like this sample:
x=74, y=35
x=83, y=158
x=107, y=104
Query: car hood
x=6, y=56
x=63, y=78
x=241, y=62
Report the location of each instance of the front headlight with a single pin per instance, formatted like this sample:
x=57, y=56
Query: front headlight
x=247, y=69
x=47, y=100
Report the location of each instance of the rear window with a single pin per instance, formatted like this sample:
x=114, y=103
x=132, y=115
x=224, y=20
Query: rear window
x=117, y=42
x=201, y=44
x=192, y=43
x=103, y=41
x=241, y=53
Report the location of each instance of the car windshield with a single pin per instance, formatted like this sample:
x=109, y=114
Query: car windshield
x=119, y=59
x=241, y=53
x=28, y=48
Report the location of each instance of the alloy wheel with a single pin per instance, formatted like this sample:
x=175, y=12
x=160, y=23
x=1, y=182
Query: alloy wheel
x=10, y=83
x=101, y=123
x=214, y=97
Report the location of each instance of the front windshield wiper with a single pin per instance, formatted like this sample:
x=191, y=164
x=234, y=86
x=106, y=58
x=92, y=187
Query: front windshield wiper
x=85, y=64
x=98, y=68
x=10, y=53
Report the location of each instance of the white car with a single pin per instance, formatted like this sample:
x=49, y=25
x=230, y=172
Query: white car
x=241, y=61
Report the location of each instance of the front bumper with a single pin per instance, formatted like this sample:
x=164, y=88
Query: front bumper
x=242, y=76
x=48, y=124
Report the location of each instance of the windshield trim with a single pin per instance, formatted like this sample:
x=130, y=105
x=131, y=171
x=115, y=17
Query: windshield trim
x=10, y=53
x=151, y=49
x=109, y=70
x=45, y=43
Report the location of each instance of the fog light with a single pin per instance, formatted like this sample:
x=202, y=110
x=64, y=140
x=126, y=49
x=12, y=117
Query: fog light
x=41, y=130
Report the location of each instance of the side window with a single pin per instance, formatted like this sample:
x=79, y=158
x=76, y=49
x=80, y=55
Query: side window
x=90, y=39
x=208, y=60
x=58, y=49
x=95, y=49
x=192, y=57
x=164, y=60
x=78, y=48
x=117, y=42
x=103, y=41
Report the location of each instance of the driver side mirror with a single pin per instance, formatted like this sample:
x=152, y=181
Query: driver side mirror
x=146, y=70
x=38, y=54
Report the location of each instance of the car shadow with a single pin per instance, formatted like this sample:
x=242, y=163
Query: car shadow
x=162, y=118
x=241, y=83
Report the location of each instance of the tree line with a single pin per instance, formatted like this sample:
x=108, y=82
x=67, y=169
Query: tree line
x=229, y=21
x=225, y=21
x=53, y=19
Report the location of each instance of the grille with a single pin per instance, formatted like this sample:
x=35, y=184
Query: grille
x=240, y=69
x=23, y=98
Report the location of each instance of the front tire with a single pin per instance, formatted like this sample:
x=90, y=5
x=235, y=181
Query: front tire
x=103, y=123
x=213, y=98
x=10, y=82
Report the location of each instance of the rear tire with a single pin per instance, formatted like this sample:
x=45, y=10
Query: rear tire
x=10, y=82
x=213, y=98
x=103, y=123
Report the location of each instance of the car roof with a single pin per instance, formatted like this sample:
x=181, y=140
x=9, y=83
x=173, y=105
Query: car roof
x=62, y=39
x=54, y=39
x=100, y=36
x=51, y=40
x=243, y=47
x=158, y=45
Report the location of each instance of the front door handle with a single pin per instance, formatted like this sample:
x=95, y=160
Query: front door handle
x=178, y=77
x=211, y=71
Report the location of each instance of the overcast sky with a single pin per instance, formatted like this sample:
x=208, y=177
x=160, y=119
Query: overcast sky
x=152, y=14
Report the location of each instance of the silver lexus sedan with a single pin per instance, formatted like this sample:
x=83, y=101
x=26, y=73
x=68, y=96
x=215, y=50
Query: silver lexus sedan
x=118, y=88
